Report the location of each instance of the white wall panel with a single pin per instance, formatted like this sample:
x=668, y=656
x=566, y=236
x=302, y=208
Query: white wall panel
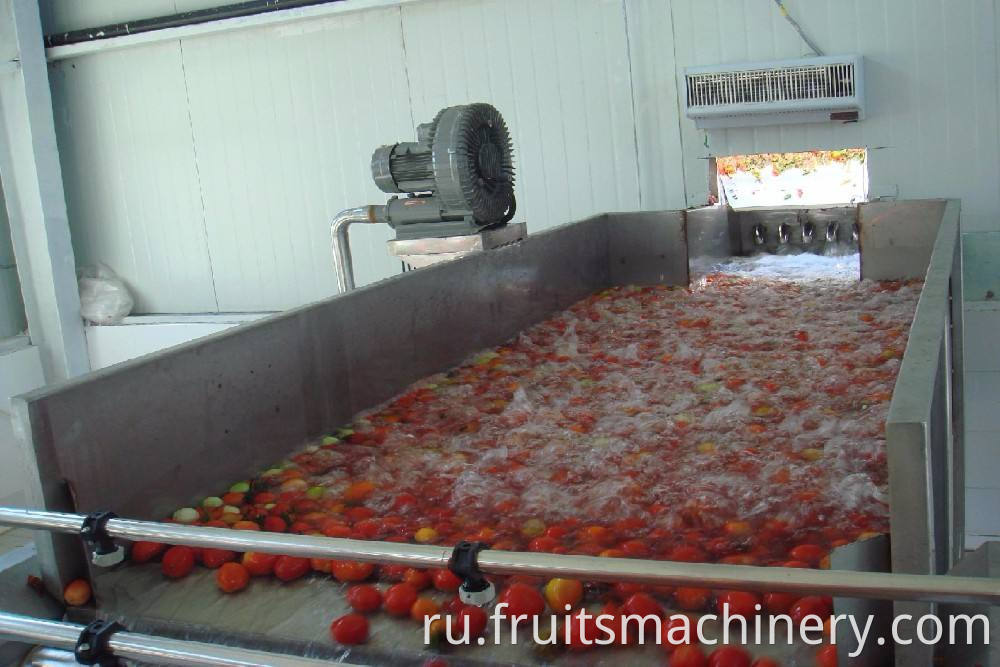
x=131, y=179
x=558, y=71
x=66, y=15
x=285, y=119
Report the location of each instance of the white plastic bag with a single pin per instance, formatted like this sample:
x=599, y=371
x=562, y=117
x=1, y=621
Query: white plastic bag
x=104, y=298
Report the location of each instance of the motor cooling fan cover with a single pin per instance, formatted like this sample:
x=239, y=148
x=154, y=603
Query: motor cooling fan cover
x=472, y=158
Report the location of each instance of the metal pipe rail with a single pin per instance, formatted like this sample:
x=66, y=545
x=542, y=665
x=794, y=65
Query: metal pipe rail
x=147, y=648
x=341, y=242
x=876, y=585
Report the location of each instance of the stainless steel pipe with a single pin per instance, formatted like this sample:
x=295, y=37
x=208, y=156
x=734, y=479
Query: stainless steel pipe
x=876, y=585
x=146, y=648
x=341, y=242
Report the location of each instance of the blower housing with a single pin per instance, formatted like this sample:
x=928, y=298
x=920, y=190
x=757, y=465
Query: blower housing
x=458, y=176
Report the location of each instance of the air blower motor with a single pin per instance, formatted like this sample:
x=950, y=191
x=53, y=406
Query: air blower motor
x=457, y=177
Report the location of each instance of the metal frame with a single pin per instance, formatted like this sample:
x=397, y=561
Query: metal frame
x=33, y=190
x=149, y=649
x=874, y=585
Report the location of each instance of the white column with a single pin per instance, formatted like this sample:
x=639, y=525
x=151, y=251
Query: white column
x=33, y=189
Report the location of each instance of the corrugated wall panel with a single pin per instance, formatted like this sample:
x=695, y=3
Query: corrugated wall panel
x=130, y=176
x=558, y=72
x=285, y=119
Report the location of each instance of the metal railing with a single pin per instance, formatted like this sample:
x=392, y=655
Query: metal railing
x=883, y=586
x=145, y=648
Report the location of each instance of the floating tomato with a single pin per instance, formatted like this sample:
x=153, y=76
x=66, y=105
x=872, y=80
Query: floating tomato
x=178, y=562
x=563, y=594
x=290, y=568
x=522, y=600
x=350, y=571
x=445, y=580
x=688, y=655
x=739, y=603
x=143, y=552
x=473, y=618
x=364, y=598
x=350, y=629
x=231, y=577
x=729, y=656
x=399, y=598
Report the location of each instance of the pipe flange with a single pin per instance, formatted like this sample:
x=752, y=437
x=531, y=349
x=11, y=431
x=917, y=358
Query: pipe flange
x=475, y=588
x=92, y=645
x=104, y=551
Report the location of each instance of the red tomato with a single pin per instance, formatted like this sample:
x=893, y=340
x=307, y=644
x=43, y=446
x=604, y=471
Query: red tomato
x=364, y=598
x=215, y=558
x=578, y=639
x=642, y=604
x=765, y=662
x=445, y=580
x=275, y=524
x=419, y=579
x=741, y=603
x=673, y=635
x=729, y=656
x=827, y=656
x=350, y=629
x=779, y=603
x=692, y=599
x=178, y=562
x=143, y=552
x=232, y=577
x=808, y=553
x=522, y=600
x=689, y=655
x=399, y=599
x=259, y=564
x=623, y=591
x=474, y=616
x=821, y=606
x=349, y=570
x=290, y=568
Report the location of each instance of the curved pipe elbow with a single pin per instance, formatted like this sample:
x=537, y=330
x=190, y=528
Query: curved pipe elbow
x=341, y=242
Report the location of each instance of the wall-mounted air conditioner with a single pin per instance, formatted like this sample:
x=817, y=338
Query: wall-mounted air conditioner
x=781, y=92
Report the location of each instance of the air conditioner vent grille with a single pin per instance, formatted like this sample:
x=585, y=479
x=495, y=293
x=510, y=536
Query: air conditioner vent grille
x=779, y=84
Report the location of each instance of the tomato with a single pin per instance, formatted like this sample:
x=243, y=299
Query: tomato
x=350, y=629
x=635, y=549
x=642, y=604
x=563, y=594
x=624, y=590
x=827, y=656
x=677, y=630
x=579, y=637
x=779, y=603
x=358, y=491
x=259, y=564
x=364, y=598
x=349, y=570
x=143, y=552
x=290, y=568
x=729, y=656
x=399, y=598
x=424, y=607
x=543, y=544
x=77, y=592
x=765, y=662
x=215, y=558
x=812, y=605
x=692, y=599
x=275, y=524
x=687, y=553
x=445, y=580
x=688, y=655
x=475, y=617
x=522, y=600
x=419, y=579
x=741, y=603
x=178, y=562
x=231, y=577
x=808, y=553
